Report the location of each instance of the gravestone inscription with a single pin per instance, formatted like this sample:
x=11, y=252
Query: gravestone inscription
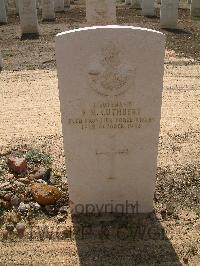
x=110, y=96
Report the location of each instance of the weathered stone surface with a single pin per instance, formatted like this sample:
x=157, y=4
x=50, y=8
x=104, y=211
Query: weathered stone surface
x=17, y=165
x=59, y=5
x=45, y=194
x=110, y=98
x=169, y=14
x=3, y=15
x=28, y=17
x=148, y=8
x=195, y=9
x=136, y=3
x=48, y=12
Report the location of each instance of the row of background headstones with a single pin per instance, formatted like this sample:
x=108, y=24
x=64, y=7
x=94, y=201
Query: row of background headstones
x=27, y=10
x=169, y=11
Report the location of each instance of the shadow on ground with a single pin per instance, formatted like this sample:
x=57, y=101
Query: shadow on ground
x=122, y=240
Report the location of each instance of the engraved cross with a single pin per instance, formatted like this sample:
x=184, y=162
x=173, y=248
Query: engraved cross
x=111, y=154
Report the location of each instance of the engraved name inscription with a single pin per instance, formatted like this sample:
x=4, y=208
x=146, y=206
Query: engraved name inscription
x=110, y=115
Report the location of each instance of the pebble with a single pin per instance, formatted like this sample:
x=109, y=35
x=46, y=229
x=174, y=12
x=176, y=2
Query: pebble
x=45, y=194
x=4, y=185
x=9, y=227
x=5, y=234
x=24, y=180
x=41, y=174
x=17, y=165
x=63, y=209
x=23, y=207
x=8, y=196
x=64, y=180
x=41, y=181
x=19, y=184
x=60, y=218
x=15, y=201
x=35, y=205
x=50, y=209
x=20, y=227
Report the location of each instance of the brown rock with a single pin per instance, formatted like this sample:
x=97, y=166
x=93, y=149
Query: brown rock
x=17, y=165
x=45, y=194
x=8, y=196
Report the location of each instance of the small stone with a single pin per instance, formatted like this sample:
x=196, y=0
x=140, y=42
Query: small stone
x=5, y=234
x=23, y=207
x=4, y=185
x=170, y=209
x=35, y=205
x=15, y=201
x=64, y=180
x=50, y=209
x=63, y=209
x=52, y=180
x=17, y=165
x=18, y=184
x=41, y=181
x=61, y=218
x=10, y=177
x=24, y=180
x=185, y=260
x=9, y=227
x=8, y=196
x=41, y=174
x=45, y=194
x=20, y=227
x=163, y=213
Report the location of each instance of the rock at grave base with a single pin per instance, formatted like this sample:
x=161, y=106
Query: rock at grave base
x=45, y=194
x=15, y=201
x=20, y=227
x=17, y=165
x=23, y=207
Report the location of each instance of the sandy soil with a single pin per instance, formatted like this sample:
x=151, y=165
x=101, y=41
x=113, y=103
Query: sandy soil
x=29, y=115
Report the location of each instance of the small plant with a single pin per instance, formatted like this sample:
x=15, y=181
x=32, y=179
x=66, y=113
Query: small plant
x=35, y=156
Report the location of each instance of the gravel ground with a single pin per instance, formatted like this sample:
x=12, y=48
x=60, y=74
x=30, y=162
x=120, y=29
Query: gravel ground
x=30, y=120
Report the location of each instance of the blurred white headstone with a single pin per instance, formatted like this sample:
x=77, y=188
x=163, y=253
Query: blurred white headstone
x=101, y=12
x=28, y=17
x=169, y=14
x=48, y=12
x=3, y=14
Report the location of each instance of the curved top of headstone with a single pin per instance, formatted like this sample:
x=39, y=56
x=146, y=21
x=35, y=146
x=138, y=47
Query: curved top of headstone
x=108, y=27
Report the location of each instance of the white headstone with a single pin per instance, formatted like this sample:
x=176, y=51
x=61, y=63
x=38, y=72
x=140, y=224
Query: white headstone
x=101, y=12
x=148, y=8
x=3, y=15
x=195, y=9
x=17, y=6
x=169, y=14
x=110, y=97
x=48, y=12
x=59, y=5
x=67, y=3
x=28, y=17
x=127, y=2
x=136, y=3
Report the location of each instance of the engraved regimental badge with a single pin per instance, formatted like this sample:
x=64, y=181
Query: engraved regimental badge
x=109, y=72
